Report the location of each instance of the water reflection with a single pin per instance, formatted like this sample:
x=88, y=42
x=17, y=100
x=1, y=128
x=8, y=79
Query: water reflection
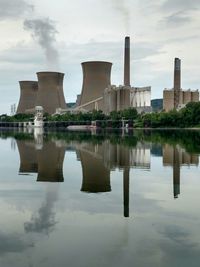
x=176, y=156
x=110, y=172
x=99, y=155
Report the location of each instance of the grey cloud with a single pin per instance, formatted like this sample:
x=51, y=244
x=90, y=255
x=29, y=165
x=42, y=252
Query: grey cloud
x=124, y=9
x=180, y=5
x=13, y=9
x=179, y=250
x=177, y=19
x=12, y=243
x=44, y=31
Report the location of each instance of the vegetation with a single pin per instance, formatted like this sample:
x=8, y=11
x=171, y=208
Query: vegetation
x=189, y=116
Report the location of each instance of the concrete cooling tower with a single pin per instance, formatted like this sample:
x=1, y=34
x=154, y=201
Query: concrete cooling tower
x=96, y=78
x=28, y=95
x=50, y=91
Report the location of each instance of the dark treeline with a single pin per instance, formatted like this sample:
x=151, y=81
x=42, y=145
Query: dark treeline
x=188, y=139
x=189, y=116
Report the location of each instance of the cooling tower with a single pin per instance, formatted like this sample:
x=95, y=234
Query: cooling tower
x=28, y=94
x=127, y=62
x=96, y=78
x=50, y=91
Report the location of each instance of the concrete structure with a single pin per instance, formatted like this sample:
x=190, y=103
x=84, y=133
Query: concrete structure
x=96, y=77
x=50, y=91
x=127, y=62
x=177, y=98
x=28, y=95
x=124, y=97
x=117, y=98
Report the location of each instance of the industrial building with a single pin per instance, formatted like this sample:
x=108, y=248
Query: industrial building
x=177, y=98
x=46, y=92
x=123, y=97
x=99, y=94
x=117, y=98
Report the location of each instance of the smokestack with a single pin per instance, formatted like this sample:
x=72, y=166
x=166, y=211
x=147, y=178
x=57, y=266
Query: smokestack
x=127, y=61
x=50, y=91
x=96, y=78
x=177, y=74
x=28, y=94
x=177, y=81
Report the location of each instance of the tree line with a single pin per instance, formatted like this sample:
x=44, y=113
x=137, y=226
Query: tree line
x=189, y=116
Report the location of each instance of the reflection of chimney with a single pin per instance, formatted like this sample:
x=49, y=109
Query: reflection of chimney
x=126, y=192
x=177, y=81
x=176, y=172
x=127, y=62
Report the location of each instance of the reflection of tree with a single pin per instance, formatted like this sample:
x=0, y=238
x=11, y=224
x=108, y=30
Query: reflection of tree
x=44, y=221
x=188, y=139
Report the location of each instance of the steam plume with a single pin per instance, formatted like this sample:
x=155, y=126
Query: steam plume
x=44, y=31
x=121, y=6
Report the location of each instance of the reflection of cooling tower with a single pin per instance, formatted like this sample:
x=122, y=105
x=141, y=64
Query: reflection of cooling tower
x=50, y=163
x=28, y=94
x=28, y=156
x=96, y=177
x=96, y=78
x=50, y=91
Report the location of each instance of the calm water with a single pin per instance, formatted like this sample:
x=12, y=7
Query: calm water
x=100, y=199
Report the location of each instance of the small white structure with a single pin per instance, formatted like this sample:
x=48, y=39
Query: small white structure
x=38, y=119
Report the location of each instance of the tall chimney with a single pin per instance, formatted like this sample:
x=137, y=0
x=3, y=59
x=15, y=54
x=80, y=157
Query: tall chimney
x=127, y=61
x=177, y=74
x=177, y=81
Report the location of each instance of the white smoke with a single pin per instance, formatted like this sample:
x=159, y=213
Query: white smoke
x=122, y=6
x=44, y=31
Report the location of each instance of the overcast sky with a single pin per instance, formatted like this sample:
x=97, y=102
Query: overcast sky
x=39, y=35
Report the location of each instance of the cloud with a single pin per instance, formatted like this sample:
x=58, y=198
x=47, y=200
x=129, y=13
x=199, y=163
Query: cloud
x=44, y=31
x=124, y=9
x=177, y=19
x=178, y=5
x=13, y=9
x=12, y=243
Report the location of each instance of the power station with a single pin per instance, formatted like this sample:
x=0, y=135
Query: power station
x=117, y=98
x=177, y=98
x=98, y=93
